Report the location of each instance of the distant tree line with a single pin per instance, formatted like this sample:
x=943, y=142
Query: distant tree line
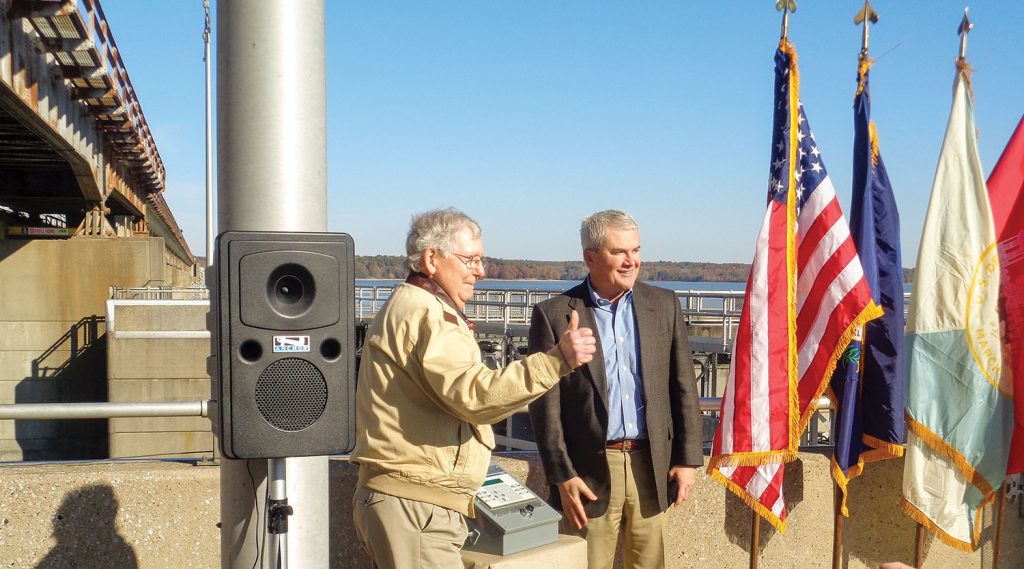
x=393, y=267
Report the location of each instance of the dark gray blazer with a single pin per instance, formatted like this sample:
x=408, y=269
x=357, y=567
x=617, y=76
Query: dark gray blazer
x=570, y=421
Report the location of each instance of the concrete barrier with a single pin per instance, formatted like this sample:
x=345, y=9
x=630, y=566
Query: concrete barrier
x=53, y=342
x=156, y=351
x=159, y=515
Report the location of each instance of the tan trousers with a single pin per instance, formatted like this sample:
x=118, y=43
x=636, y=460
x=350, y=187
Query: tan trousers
x=633, y=511
x=406, y=534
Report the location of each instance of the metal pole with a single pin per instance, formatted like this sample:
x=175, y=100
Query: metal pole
x=209, y=136
x=47, y=411
x=1000, y=518
x=965, y=27
x=277, y=517
x=272, y=176
x=919, y=546
x=837, y=528
x=755, y=538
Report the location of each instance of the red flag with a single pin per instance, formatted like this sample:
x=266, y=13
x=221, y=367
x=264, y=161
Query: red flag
x=1006, y=195
x=806, y=297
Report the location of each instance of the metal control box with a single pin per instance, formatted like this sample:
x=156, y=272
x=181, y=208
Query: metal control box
x=509, y=517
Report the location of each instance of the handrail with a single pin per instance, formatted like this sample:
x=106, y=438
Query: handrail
x=22, y=411
x=103, y=410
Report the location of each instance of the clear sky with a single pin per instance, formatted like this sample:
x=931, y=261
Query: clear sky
x=528, y=115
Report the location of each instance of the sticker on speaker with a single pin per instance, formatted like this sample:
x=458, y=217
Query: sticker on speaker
x=291, y=343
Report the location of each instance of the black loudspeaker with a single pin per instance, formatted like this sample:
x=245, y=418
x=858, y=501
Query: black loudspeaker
x=282, y=327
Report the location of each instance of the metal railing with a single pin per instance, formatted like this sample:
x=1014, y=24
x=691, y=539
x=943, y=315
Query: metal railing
x=63, y=411
x=160, y=293
x=708, y=313
x=511, y=306
x=714, y=313
x=37, y=411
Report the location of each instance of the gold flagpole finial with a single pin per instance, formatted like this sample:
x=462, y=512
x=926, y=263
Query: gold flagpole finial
x=965, y=27
x=864, y=16
x=785, y=6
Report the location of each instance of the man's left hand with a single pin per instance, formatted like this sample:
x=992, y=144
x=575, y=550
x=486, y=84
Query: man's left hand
x=684, y=476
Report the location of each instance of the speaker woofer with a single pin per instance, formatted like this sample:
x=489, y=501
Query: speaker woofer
x=291, y=394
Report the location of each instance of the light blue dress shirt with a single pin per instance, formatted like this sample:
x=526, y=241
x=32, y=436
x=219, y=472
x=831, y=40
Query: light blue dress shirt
x=616, y=327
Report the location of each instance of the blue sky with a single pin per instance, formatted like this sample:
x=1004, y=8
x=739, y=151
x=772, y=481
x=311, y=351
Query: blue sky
x=529, y=115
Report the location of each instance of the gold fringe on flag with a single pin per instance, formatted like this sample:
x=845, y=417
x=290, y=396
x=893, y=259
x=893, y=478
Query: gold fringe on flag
x=869, y=313
x=966, y=69
x=943, y=448
x=753, y=458
x=862, y=72
x=883, y=451
x=791, y=250
x=742, y=494
x=919, y=517
x=873, y=137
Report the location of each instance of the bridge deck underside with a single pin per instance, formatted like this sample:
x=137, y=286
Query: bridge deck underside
x=34, y=178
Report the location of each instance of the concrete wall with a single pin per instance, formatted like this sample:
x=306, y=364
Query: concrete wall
x=156, y=351
x=53, y=333
x=162, y=515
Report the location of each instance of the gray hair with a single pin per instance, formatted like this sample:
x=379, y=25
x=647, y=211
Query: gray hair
x=595, y=226
x=435, y=229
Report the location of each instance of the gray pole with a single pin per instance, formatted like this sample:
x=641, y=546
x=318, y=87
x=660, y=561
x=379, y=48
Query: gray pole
x=272, y=176
x=209, y=136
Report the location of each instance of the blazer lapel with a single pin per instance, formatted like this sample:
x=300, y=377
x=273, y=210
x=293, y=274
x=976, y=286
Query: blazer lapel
x=646, y=329
x=595, y=371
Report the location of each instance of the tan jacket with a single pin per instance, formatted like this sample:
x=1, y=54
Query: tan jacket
x=425, y=401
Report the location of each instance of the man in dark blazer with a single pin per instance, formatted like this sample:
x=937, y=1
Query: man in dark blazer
x=620, y=437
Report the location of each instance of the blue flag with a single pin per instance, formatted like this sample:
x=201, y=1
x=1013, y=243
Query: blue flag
x=867, y=384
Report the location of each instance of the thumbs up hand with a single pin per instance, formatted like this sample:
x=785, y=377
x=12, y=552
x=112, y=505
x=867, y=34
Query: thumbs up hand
x=577, y=345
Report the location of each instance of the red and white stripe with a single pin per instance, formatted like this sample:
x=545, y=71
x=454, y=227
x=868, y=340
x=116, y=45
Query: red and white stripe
x=831, y=291
x=831, y=294
x=752, y=408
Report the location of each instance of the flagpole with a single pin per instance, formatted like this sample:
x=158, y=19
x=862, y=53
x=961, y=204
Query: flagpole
x=837, y=531
x=755, y=538
x=919, y=545
x=785, y=6
x=1000, y=518
x=866, y=15
x=965, y=27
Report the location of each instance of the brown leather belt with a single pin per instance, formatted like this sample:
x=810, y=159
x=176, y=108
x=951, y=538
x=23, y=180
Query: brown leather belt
x=628, y=445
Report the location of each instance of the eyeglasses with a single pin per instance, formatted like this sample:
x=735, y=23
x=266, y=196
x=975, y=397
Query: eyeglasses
x=472, y=263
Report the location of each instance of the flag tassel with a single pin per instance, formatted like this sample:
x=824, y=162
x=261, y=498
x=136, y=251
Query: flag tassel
x=758, y=507
x=924, y=522
x=870, y=312
x=943, y=448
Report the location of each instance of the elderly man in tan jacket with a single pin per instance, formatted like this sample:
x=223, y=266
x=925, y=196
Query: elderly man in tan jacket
x=425, y=401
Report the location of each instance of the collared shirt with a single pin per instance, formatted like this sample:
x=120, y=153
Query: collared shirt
x=428, y=284
x=616, y=327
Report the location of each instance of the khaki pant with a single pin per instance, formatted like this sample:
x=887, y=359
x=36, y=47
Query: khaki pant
x=633, y=511
x=406, y=534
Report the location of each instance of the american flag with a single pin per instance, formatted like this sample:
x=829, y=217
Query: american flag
x=806, y=298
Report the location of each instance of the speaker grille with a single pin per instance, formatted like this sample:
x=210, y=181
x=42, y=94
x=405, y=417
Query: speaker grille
x=291, y=394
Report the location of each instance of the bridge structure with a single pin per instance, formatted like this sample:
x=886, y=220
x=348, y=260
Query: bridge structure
x=82, y=210
x=77, y=157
